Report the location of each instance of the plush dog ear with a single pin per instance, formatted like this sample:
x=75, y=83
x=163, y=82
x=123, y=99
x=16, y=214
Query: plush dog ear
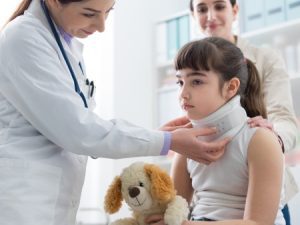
x=113, y=197
x=162, y=188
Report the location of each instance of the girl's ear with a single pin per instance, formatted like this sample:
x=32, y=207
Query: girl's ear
x=231, y=88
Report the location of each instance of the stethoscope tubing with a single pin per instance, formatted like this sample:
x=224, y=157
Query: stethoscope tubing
x=61, y=47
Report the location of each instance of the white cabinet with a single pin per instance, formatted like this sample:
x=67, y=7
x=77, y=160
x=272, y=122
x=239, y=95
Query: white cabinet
x=171, y=33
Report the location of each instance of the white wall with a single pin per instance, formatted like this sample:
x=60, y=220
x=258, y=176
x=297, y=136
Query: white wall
x=134, y=72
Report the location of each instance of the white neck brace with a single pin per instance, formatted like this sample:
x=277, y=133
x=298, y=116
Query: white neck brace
x=228, y=120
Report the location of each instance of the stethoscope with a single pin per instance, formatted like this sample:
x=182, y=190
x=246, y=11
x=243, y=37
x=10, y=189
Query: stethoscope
x=55, y=33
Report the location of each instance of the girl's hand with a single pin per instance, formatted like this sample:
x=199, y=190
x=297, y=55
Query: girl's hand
x=259, y=121
x=181, y=122
x=155, y=220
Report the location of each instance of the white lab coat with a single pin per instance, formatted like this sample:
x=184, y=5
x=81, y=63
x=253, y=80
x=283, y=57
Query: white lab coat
x=276, y=89
x=46, y=133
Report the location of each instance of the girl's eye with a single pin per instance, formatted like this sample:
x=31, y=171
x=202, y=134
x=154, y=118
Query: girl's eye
x=141, y=184
x=180, y=83
x=89, y=15
x=197, y=82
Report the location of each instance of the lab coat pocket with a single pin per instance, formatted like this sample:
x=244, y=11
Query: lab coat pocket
x=28, y=192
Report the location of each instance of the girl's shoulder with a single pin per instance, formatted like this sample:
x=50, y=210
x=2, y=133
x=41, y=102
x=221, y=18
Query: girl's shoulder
x=263, y=143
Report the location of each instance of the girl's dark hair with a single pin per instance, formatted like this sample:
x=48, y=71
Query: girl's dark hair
x=233, y=2
x=227, y=60
x=25, y=4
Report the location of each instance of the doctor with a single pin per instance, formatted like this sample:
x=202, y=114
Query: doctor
x=47, y=126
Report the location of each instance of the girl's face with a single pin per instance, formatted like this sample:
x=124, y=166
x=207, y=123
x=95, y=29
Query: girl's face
x=215, y=17
x=81, y=19
x=200, y=93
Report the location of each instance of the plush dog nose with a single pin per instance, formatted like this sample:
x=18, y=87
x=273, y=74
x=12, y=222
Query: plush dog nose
x=133, y=192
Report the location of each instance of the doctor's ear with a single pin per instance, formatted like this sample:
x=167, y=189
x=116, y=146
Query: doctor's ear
x=56, y=4
x=231, y=87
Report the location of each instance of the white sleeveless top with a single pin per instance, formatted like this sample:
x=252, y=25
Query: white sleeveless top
x=221, y=187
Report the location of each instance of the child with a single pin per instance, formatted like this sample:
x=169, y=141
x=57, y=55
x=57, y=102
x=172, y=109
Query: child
x=215, y=18
x=219, y=87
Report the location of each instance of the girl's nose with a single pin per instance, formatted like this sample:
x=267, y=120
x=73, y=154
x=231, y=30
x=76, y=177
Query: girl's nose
x=184, y=94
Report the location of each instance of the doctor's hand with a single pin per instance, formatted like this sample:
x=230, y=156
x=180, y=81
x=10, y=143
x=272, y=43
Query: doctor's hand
x=181, y=122
x=185, y=142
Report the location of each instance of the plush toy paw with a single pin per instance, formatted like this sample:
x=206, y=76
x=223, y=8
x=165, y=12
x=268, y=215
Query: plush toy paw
x=177, y=211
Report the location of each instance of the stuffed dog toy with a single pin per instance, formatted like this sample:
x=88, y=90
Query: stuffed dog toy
x=147, y=190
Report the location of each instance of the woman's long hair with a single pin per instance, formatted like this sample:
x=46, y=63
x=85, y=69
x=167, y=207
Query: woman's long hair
x=227, y=60
x=25, y=4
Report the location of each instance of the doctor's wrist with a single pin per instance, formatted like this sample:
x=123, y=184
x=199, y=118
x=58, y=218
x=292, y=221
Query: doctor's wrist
x=167, y=143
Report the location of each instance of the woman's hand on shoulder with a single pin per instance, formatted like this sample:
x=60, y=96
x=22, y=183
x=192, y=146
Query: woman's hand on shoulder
x=259, y=121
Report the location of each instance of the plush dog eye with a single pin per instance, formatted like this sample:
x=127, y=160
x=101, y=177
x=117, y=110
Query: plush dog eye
x=141, y=184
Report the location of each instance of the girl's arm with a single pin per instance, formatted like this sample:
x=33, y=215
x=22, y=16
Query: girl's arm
x=181, y=177
x=265, y=163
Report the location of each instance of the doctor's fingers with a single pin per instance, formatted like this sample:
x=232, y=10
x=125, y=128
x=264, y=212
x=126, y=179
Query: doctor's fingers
x=216, y=149
x=172, y=128
x=185, y=142
x=207, y=152
x=204, y=131
x=181, y=122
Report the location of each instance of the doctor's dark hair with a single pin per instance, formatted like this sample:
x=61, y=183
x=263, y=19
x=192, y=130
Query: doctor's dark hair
x=25, y=4
x=223, y=57
x=233, y=3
